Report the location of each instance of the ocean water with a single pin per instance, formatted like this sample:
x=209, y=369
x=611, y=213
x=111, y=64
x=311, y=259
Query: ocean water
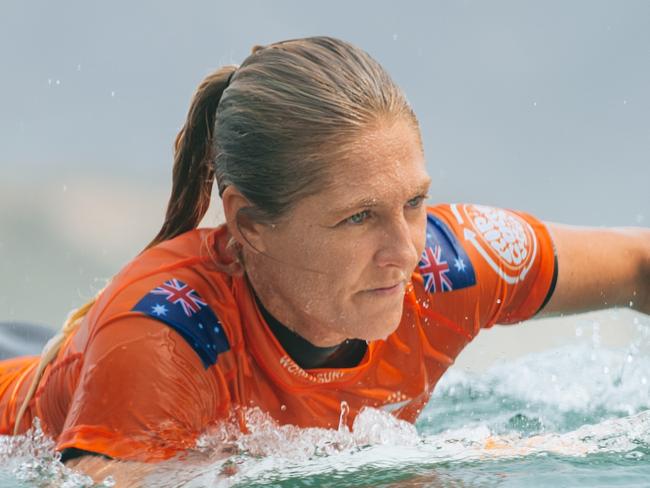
x=574, y=416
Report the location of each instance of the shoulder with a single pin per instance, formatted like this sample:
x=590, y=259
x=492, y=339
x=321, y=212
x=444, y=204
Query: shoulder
x=179, y=285
x=188, y=258
x=502, y=260
x=445, y=264
x=505, y=242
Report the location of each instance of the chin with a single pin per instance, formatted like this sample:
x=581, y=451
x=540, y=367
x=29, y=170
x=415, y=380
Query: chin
x=371, y=322
x=382, y=327
x=382, y=335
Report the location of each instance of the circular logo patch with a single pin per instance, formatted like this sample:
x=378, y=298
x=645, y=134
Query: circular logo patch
x=504, y=239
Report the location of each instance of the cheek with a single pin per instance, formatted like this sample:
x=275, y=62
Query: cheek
x=318, y=263
x=326, y=266
x=350, y=259
x=419, y=233
x=339, y=257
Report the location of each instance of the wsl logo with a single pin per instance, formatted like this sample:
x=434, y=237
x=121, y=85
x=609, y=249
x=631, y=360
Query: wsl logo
x=506, y=241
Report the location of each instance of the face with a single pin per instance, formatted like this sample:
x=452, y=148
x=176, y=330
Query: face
x=336, y=266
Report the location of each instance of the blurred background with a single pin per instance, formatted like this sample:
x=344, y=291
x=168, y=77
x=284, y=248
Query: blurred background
x=540, y=106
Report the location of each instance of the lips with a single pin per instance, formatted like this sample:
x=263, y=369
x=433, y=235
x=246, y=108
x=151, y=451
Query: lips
x=388, y=289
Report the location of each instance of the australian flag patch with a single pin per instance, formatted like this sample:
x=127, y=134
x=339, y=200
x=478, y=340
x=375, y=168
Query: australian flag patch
x=444, y=264
x=183, y=309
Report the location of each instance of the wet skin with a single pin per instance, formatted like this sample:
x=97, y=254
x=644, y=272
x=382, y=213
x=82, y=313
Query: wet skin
x=336, y=265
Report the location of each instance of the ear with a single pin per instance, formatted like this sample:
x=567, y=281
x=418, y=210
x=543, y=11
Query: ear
x=244, y=230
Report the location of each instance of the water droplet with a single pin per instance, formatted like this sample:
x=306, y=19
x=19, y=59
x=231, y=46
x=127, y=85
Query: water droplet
x=109, y=482
x=112, y=94
x=634, y=455
x=343, y=419
x=283, y=408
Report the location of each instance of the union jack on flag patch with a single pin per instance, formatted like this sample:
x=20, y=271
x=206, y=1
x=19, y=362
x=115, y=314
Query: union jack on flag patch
x=444, y=264
x=182, y=308
x=434, y=270
x=178, y=292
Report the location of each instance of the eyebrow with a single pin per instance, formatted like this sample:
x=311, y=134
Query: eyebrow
x=369, y=202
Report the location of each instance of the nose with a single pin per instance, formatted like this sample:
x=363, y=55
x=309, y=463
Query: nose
x=398, y=245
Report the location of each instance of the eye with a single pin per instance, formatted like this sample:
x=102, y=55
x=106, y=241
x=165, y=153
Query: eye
x=417, y=201
x=358, y=218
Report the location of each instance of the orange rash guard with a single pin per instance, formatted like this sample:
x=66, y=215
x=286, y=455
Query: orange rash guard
x=173, y=346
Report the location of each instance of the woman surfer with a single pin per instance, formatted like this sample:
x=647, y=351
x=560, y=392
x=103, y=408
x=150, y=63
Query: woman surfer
x=330, y=282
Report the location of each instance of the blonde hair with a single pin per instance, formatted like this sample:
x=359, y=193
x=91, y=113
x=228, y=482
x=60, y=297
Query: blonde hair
x=271, y=128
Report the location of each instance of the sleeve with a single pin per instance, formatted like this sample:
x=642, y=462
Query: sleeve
x=143, y=394
x=484, y=265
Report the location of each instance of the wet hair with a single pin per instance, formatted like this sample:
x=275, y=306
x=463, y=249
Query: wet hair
x=273, y=128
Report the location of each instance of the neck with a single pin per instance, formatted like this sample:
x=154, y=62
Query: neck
x=345, y=355
x=298, y=321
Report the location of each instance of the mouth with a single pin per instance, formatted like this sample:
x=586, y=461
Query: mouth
x=388, y=290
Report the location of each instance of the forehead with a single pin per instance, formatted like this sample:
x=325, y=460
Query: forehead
x=380, y=162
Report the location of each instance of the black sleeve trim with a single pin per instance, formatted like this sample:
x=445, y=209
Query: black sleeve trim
x=73, y=453
x=553, y=283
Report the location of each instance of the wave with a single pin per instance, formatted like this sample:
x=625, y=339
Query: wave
x=577, y=406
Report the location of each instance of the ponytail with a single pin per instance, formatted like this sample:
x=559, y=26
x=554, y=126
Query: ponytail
x=193, y=175
x=193, y=172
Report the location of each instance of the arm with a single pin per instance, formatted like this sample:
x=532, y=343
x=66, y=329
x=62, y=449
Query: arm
x=600, y=268
x=135, y=474
x=126, y=474
x=143, y=393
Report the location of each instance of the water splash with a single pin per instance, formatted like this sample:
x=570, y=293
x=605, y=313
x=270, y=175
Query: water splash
x=546, y=390
x=272, y=453
x=526, y=416
x=32, y=459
